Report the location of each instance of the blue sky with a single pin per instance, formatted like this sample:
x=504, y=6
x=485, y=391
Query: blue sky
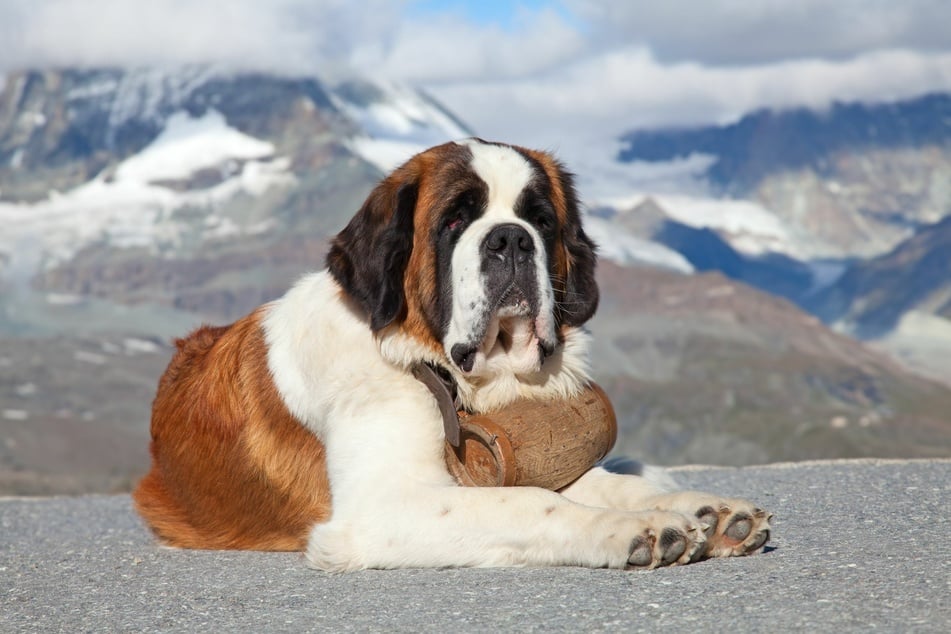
x=491, y=12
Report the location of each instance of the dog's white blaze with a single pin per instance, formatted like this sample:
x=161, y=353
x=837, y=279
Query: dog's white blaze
x=506, y=174
x=505, y=171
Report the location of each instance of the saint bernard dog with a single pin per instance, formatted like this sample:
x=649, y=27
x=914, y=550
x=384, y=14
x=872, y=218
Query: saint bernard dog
x=302, y=426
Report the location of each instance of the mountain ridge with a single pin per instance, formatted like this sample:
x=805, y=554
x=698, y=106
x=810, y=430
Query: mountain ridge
x=768, y=140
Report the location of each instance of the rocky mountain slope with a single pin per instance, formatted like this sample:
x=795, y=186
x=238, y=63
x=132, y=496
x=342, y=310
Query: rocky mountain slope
x=873, y=296
x=74, y=411
x=701, y=369
x=704, y=369
x=900, y=300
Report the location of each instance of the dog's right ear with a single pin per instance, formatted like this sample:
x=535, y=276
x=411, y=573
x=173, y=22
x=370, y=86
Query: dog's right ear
x=581, y=295
x=368, y=258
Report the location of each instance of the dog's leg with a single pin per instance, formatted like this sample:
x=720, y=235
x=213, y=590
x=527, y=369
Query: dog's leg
x=447, y=526
x=732, y=526
x=395, y=505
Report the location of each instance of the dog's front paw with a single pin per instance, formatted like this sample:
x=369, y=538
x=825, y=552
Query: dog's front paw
x=665, y=539
x=736, y=527
x=733, y=527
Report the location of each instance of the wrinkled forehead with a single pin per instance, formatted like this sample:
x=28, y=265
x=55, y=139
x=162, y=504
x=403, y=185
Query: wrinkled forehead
x=497, y=173
x=494, y=177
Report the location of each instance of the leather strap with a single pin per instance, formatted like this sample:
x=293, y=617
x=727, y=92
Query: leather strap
x=444, y=390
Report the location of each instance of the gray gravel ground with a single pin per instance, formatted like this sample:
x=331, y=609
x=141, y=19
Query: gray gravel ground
x=857, y=545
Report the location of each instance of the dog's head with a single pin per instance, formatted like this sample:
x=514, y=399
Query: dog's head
x=475, y=251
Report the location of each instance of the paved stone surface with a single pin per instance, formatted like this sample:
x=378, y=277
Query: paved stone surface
x=857, y=546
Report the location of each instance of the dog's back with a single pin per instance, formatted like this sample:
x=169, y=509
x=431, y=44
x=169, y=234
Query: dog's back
x=231, y=468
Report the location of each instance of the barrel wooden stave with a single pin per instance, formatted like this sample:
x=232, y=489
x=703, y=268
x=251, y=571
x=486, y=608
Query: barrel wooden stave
x=547, y=444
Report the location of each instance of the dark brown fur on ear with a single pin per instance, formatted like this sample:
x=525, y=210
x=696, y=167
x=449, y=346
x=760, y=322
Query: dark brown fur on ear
x=581, y=288
x=575, y=286
x=368, y=258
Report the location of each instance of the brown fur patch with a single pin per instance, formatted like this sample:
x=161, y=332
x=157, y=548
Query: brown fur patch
x=442, y=173
x=231, y=468
x=562, y=258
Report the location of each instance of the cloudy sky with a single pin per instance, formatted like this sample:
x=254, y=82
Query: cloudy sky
x=530, y=72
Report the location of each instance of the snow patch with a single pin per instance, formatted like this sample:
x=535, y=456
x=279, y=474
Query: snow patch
x=25, y=389
x=680, y=187
x=93, y=90
x=399, y=123
x=749, y=227
x=626, y=249
x=187, y=145
x=385, y=154
x=752, y=228
x=134, y=345
x=825, y=273
x=63, y=299
x=219, y=228
x=130, y=209
x=601, y=178
x=918, y=325
x=923, y=342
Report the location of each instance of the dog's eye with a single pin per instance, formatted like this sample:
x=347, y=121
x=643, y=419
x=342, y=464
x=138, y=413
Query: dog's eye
x=455, y=222
x=462, y=210
x=543, y=221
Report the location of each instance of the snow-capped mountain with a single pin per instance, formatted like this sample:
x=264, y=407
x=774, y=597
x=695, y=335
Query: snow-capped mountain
x=852, y=181
x=178, y=170
x=396, y=121
x=796, y=202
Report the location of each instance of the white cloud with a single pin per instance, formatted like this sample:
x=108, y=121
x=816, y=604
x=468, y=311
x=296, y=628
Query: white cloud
x=615, y=91
x=448, y=48
x=757, y=31
x=544, y=79
x=286, y=35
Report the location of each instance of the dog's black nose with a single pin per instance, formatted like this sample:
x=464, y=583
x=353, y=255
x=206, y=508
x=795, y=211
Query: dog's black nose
x=509, y=242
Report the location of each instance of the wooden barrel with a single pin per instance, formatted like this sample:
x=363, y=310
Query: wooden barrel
x=547, y=444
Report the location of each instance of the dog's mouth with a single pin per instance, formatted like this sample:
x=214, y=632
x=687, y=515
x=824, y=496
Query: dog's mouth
x=512, y=337
x=513, y=303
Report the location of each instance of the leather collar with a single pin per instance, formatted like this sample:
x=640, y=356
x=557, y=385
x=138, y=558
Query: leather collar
x=443, y=388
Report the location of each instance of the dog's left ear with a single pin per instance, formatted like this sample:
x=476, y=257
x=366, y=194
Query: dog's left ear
x=368, y=258
x=581, y=288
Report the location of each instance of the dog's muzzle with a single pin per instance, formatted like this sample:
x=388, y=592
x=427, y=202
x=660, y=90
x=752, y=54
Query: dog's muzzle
x=508, y=253
x=507, y=320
